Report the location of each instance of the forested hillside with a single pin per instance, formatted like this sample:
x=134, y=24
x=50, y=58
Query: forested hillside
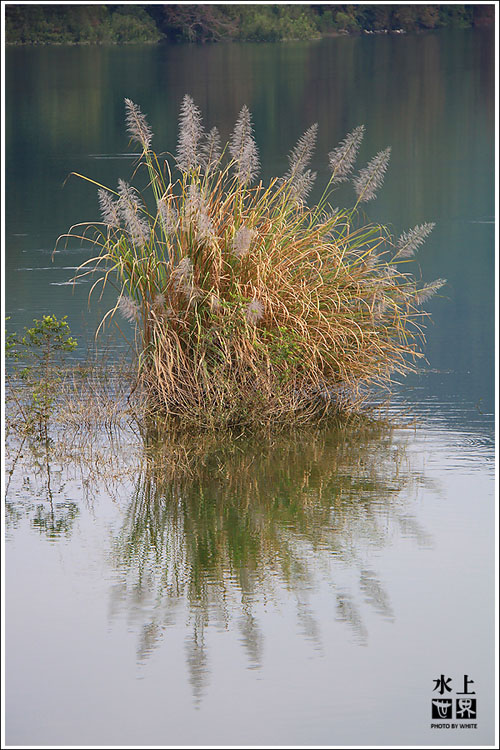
x=90, y=24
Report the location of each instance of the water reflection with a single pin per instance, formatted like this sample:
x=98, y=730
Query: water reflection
x=211, y=536
x=39, y=493
x=215, y=530
x=84, y=460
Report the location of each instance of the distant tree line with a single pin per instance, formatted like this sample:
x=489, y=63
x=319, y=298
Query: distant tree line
x=91, y=24
x=79, y=24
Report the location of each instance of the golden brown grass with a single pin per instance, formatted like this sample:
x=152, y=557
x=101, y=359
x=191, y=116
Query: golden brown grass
x=250, y=306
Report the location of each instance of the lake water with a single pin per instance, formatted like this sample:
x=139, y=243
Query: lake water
x=306, y=589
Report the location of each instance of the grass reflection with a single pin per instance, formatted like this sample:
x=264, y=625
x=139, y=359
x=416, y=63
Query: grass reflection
x=214, y=530
x=221, y=526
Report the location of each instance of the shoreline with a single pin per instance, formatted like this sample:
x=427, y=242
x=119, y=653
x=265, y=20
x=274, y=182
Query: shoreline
x=182, y=42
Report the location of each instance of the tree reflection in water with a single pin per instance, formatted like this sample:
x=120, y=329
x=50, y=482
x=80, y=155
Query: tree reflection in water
x=40, y=494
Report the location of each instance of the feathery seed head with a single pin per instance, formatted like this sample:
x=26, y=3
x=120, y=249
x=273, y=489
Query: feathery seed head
x=370, y=260
x=193, y=202
x=371, y=177
x=159, y=302
x=331, y=214
x=302, y=185
x=248, y=165
x=381, y=306
x=139, y=230
x=182, y=276
x=137, y=125
x=128, y=197
x=410, y=241
x=428, y=291
x=196, y=218
x=215, y=303
x=160, y=309
x=169, y=216
x=204, y=226
x=242, y=241
x=109, y=209
x=129, y=207
x=243, y=148
x=184, y=268
x=342, y=157
x=301, y=154
x=254, y=311
x=299, y=181
x=211, y=151
x=190, y=135
x=129, y=309
x=126, y=191
x=241, y=133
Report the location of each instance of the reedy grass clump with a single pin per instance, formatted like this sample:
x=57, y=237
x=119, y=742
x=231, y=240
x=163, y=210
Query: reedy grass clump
x=250, y=306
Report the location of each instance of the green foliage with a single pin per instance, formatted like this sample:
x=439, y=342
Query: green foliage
x=346, y=22
x=41, y=350
x=11, y=341
x=458, y=16
x=132, y=27
x=78, y=24
x=325, y=21
x=275, y=23
x=95, y=24
x=284, y=349
x=47, y=337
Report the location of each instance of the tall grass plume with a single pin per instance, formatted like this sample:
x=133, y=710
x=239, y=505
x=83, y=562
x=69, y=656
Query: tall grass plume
x=248, y=304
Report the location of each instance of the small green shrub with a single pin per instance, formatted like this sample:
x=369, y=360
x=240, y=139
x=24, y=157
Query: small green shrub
x=41, y=351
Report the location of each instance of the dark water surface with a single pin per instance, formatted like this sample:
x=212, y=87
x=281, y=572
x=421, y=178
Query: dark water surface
x=302, y=590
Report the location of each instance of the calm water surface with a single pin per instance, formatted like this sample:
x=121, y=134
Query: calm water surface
x=303, y=590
